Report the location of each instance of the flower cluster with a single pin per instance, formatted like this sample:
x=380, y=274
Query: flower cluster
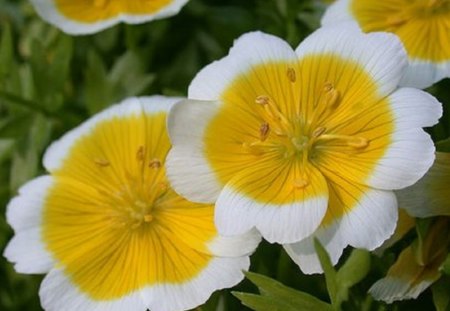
x=157, y=202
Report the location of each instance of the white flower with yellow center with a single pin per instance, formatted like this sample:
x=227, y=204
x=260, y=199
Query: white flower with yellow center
x=423, y=26
x=303, y=143
x=109, y=230
x=89, y=16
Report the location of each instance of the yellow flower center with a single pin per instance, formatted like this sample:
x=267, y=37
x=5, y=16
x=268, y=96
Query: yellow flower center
x=282, y=123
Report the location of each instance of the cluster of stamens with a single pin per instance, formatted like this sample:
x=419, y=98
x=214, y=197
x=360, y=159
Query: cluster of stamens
x=298, y=138
x=132, y=204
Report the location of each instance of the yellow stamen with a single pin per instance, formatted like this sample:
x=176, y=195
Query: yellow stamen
x=331, y=95
x=264, y=131
x=301, y=183
x=102, y=162
x=358, y=142
x=291, y=75
x=262, y=100
x=140, y=154
x=318, y=131
x=148, y=218
x=155, y=163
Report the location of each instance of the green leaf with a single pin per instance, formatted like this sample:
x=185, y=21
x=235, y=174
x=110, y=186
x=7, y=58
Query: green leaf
x=445, y=268
x=263, y=303
x=6, y=147
x=443, y=145
x=441, y=297
x=355, y=268
x=330, y=272
x=279, y=292
x=6, y=52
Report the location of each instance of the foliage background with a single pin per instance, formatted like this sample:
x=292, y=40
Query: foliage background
x=51, y=82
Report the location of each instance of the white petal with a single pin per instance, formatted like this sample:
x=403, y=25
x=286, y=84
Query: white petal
x=414, y=108
x=250, y=49
x=220, y=273
x=24, y=213
x=234, y=246
x=28, y=253
x=58, y=293
x=407, y=159
x=58, y=150
x=188, y=170
x=367, y=226
x=381, y=54
x=48, y=11
x=304, y=254
x=422, y=74
x=282, y=223
x=337, y=12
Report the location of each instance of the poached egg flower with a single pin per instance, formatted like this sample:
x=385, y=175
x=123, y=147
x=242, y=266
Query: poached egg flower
x=305, y=143
x=109, y=230
x=89, y=16
x=422, y=26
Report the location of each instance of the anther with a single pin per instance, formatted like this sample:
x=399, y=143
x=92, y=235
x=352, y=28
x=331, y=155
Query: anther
x=301, y=183
x=148, y=218
x=318, y=131
x=395, y=21
x=102, y=162
x=264, y=131
x=252, y=148
x=140, y=154
x=155, y=163
x=331, y=95
x=291, y=74
x=358, y=142
x=262, y=100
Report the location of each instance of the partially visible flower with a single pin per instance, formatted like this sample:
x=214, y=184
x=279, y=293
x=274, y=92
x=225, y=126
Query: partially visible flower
x=109, y=230
x=417, y=267
x=430, y=196
x=81, y=17
x=306, y=143
x=422, y=26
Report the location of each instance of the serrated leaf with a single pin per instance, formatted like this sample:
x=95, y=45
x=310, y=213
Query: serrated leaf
x=354, y=269
x=292, y=297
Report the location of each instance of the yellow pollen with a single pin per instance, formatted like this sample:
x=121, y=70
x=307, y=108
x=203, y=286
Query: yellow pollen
x=262, y=100
x=358, y=142
x=331, y=95
x=264, y=131
x=155, y=163
x=301, y=183
x=254, y=148
x=140, y=154
x=102, y=162
x=291, y=74
x=148, y=218
x=396, y=21
x=318, y=131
